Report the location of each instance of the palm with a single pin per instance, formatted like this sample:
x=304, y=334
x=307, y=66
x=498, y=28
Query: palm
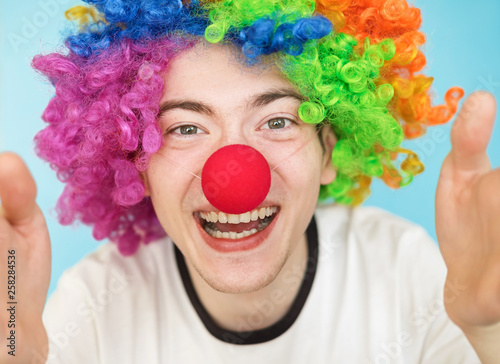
x=23, y=234
x=468, y=217
x=30, y=240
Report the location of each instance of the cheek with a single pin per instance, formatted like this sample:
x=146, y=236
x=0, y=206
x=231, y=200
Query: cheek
x=165, y=185
x=301, y=176
x=188, y=157
x=170, y=195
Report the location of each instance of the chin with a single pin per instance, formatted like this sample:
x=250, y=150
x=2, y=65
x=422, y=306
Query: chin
x=243, y=276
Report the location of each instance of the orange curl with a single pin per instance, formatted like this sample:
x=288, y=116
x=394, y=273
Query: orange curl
x=413, y=130
x=418, y=63
x=362, y=190
x=380, y=19
x=412, y=163
x=443, y=113
x=407, y=48
x=391, y=177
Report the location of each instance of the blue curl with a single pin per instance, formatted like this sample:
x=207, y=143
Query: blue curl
x=118, y=12
x=259, y=33
x=79, y=46
x=257, y=37
x=86, y=44
x=157, y=13
x=151, y=19
x=284, y=40
x=137, y=20
x=312, y=28
x=262, y=38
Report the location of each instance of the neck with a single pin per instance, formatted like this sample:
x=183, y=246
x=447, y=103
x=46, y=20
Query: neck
x=258, y=309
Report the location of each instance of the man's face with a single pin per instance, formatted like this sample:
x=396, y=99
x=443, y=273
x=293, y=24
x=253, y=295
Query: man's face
x=209, y=101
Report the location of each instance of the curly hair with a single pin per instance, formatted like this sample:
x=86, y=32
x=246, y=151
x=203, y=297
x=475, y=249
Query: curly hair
x=356, y=64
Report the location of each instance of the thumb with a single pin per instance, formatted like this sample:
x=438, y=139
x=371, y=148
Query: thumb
x=17, y=189
x=471, y=133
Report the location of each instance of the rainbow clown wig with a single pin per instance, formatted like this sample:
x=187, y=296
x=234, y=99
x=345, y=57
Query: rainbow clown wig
x=355, y=62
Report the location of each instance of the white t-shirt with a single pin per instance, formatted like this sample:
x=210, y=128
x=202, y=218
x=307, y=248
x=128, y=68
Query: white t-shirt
x=376, y=298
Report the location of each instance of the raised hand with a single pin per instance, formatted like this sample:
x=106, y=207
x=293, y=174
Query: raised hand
x=468, y=227
x=24, y=264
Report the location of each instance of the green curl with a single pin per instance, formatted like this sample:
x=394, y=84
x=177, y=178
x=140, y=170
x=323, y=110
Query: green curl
x=214, y=33
x=347, y=85
x=311, y=112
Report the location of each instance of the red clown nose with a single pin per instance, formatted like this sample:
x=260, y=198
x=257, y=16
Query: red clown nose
x=236, y=179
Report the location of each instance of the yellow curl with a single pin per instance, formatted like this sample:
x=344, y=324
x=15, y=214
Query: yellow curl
x=83, y=15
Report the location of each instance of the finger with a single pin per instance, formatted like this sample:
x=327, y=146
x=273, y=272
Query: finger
x=471, y=133
x=17, y=189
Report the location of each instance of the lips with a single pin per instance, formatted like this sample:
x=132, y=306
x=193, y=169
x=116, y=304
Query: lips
x=228, y=233
x=220, y=225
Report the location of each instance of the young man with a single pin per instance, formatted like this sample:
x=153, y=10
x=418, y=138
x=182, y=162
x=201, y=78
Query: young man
x=349, y=285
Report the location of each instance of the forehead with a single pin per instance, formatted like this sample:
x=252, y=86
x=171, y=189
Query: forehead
x=213, y=72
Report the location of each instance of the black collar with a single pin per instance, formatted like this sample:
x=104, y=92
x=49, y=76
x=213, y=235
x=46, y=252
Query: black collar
x=268, y=333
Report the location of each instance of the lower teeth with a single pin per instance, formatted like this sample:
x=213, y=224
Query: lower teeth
x=212, y=230
x=230, y=234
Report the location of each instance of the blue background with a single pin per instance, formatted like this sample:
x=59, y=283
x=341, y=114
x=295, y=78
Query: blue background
x=462, y=49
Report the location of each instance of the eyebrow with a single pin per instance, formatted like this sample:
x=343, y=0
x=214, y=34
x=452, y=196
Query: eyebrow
x=255, y=101
x=268, y=97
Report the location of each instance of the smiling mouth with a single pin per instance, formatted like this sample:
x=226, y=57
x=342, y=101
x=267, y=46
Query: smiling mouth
x=236, y=226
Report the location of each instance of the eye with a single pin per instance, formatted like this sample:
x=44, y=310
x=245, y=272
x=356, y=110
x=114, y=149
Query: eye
x=278, y=123
x=186, y=130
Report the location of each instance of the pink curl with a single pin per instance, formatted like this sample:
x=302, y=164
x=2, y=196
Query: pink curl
x=101, y=132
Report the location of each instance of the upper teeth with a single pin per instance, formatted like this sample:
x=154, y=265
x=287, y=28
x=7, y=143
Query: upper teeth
x=253, y=215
